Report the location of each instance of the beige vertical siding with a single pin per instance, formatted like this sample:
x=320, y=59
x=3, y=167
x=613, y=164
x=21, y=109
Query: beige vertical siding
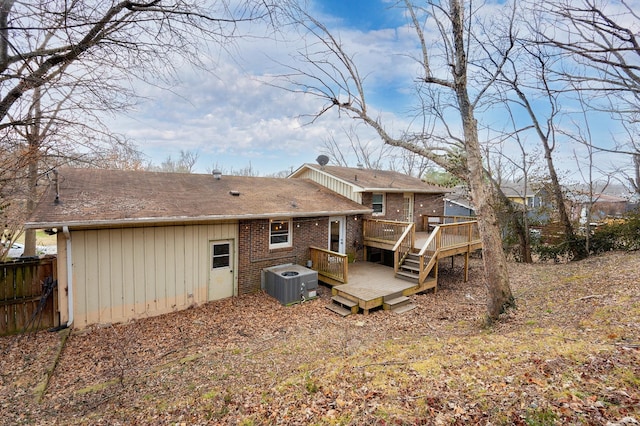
x=333, y=184
x=127, y=273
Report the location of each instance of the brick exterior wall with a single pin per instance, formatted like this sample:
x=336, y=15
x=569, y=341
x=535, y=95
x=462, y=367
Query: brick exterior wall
x=423, y=205
x=353, y=243
x=427, y=205
x=254, y=254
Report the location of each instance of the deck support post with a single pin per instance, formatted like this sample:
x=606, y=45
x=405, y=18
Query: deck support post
x=466, y=265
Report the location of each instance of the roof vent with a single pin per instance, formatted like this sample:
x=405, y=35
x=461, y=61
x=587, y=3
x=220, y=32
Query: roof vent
x=217, y=174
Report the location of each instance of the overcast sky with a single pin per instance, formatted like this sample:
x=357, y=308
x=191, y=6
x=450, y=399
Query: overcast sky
x=232, y=119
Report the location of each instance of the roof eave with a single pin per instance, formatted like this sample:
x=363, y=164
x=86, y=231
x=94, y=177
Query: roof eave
x=403, y=190
x=189, y=219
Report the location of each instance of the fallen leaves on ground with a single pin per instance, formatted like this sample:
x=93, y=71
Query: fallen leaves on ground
x=569, y=354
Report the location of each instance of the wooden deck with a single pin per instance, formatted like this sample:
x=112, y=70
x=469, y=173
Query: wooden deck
x=415, y=267
x=371, y=285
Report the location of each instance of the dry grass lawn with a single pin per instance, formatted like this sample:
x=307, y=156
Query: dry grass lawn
x=569, y=354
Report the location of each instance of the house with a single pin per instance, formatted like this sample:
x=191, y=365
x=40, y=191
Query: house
x=523, y=195
x=390, y=195
x=133, y=244
x=597, y=207
x=458, y=203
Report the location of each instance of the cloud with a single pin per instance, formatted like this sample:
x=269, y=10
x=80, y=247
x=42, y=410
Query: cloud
x=231, y=117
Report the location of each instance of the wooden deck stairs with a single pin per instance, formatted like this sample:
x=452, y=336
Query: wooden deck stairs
x=398, y=303
x=343, y=306
x=409, y=270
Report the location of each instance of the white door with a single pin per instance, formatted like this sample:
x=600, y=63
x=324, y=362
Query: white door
x=408, y=207
x=220, y=269
x=337, y=234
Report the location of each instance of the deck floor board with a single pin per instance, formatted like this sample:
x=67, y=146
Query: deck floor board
x=369, y=281
x=370, y=284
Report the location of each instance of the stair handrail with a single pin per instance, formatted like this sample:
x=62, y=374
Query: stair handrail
x=434, y=238
x=406, y=246
x=435, y=242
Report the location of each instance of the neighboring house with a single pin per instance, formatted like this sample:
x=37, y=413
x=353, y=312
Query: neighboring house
x=525, y=196
x=391, y=195
x=602, y=206
x=458, y=203
x=133, y=244
x=534, y=199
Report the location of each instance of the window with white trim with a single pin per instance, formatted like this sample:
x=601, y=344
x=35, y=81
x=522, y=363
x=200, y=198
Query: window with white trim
x=220, y=255
x=377, y=204
x=280, y=233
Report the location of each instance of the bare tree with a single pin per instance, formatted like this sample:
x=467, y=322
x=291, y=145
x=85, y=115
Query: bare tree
x=412, y=164
x=131, y=39
x=602, y=38
x=450, y=79
x=373, y=155
x=367, y=154
x=635, y=180
x=519, y=82
x=64, y=63
x=584, y=136
x=516, y=216
x=247, y=170
x=184, y=164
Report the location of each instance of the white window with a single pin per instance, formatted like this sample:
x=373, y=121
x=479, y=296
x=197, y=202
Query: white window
x=280, y=233
x=377, y=204
x=220, y=255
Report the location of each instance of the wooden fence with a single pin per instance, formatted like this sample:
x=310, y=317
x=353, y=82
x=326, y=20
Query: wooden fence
x=22, y=286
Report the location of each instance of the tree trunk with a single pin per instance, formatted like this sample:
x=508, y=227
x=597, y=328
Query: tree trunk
x=32, y=195
x=499, y=297
x=520, y=225
x=577, y=251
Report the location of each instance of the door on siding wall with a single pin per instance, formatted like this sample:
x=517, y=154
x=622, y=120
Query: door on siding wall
x=220, y=269
x=408, y=207
x=337, y=234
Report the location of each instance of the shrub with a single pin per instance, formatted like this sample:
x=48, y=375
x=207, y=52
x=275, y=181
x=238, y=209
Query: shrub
x=622, y=234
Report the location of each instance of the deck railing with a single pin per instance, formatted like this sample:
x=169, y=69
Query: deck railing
x=449, y=235
x=446, y=237
x=384, y=230
x=430, y=222
x=332, y=267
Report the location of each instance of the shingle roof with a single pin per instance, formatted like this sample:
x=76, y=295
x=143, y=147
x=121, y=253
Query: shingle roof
x=368, y=180
x=518, y=190
x=99, y=197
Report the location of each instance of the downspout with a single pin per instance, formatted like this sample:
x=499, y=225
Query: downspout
x=67, y=235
